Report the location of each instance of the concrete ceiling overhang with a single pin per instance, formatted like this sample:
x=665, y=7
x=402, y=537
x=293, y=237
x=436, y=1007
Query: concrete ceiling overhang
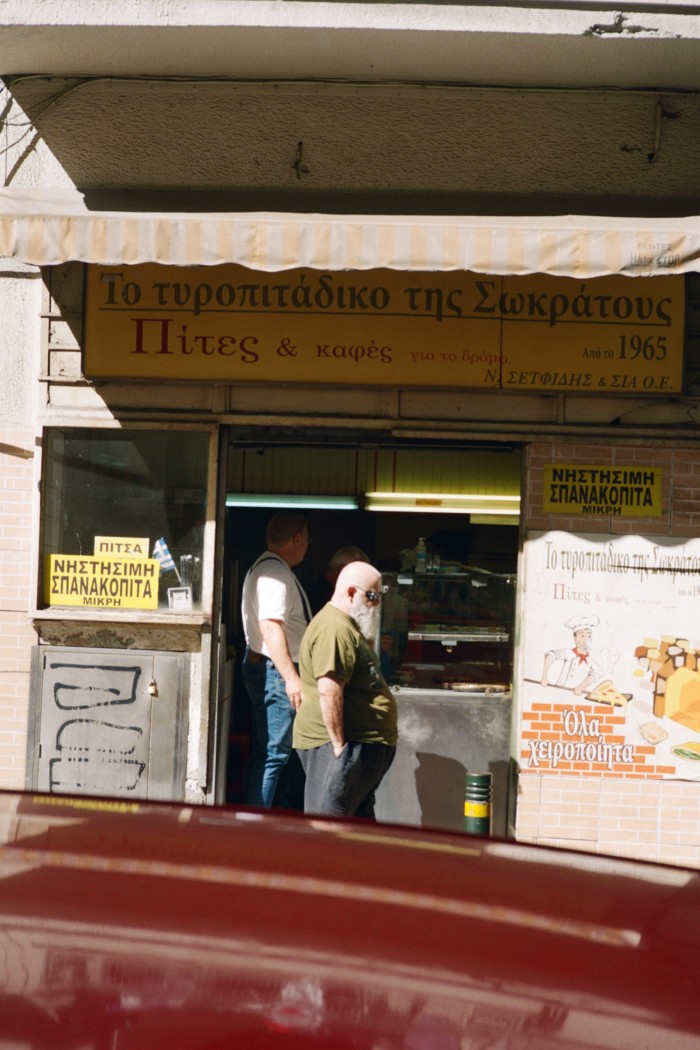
x=547, y=44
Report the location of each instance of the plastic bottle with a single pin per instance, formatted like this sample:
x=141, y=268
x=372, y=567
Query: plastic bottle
x=421, y=555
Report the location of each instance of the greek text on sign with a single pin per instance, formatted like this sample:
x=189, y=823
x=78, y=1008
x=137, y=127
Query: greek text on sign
x=385, y=327
x=113, y=583
x=122, y=546
x=627, y=492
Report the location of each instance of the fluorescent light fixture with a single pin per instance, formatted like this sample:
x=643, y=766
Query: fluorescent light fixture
x=488, y=509
x=290, y=502
x=444, y=503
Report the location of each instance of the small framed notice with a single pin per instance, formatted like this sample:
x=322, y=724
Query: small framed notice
x=180, y=599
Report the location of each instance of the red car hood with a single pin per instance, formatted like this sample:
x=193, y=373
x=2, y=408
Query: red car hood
x=130, y=925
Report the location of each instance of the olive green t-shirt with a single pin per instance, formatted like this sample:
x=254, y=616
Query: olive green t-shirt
x=333, y=644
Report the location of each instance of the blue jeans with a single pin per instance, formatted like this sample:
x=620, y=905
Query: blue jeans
x=344, y=786
x=272, y=719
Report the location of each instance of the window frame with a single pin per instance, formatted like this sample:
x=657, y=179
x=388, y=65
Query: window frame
x=41, y=611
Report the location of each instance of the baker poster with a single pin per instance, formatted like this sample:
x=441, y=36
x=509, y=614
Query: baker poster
x=609, y=656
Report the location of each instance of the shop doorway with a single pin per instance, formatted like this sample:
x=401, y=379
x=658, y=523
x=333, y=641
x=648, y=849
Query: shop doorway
x=316, y=480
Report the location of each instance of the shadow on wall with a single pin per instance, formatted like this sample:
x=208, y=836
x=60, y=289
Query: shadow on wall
x=440, y=783
x=440, y=790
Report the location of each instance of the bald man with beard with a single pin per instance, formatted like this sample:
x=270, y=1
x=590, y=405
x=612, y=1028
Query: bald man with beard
x=345, y=731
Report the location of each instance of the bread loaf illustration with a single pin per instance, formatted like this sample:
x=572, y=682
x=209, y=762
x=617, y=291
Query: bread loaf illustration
x=674, y=664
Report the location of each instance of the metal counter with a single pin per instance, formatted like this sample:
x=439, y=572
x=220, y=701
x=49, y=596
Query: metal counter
x=443, y=734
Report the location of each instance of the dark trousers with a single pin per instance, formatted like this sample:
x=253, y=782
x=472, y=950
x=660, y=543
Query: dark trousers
x=344, y=786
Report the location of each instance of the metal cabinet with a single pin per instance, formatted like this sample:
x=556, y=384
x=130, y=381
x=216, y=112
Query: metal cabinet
x=109, y=722
x=442, y=736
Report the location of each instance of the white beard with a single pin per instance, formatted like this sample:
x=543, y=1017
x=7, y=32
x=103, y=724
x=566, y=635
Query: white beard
x=366, y=617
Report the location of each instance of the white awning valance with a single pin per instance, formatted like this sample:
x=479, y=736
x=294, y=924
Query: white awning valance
x=45, y=227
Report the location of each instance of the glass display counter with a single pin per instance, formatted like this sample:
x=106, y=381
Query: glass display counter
x=446, y=648
x=448, y=630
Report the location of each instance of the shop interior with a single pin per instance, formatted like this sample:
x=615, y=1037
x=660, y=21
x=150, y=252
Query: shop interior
x=463, y=503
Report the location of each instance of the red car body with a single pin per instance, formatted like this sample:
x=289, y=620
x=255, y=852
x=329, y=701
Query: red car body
x=129, y=925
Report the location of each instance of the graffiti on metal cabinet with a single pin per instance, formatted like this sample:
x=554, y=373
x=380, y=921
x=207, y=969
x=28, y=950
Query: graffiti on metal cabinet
x=93, y=754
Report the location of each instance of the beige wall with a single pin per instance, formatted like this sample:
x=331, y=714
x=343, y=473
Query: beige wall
x=16, y=634
x=20, y=306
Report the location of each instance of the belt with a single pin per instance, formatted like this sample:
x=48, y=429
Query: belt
x=255, y=658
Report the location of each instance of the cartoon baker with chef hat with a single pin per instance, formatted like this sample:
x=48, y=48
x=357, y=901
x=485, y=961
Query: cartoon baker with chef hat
x=574, y=668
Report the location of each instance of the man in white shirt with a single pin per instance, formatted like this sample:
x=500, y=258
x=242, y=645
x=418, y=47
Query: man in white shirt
x=275, y=612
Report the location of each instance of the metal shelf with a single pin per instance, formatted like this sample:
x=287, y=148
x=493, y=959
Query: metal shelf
x=455, y=638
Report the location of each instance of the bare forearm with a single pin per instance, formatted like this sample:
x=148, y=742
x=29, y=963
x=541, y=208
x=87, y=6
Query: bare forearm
x=276, y=645
x=330, y=694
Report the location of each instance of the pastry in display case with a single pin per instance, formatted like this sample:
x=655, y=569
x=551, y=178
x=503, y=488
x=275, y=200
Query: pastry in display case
x=448, y=629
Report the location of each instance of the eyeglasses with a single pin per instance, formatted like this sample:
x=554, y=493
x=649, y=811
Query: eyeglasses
x=372, y=596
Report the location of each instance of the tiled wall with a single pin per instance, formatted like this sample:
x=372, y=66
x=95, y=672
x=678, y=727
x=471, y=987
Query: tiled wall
x=16, y=633
x=656, y=820
x=584, y=806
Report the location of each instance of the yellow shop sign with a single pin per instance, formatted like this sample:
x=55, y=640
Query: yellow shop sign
x=102, y=582
x=627, y=492
x=385, y=327
x=122, y=546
